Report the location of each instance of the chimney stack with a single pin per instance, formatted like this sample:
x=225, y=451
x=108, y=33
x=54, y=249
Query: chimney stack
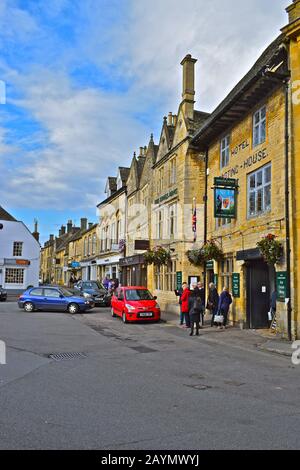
x=174, y=120
x=51, y=238
x=69, y=226
x=188, y=86
x=294, y=11
x=36, y=233
x=170, y=119
x=91, y=224
x=83, y=223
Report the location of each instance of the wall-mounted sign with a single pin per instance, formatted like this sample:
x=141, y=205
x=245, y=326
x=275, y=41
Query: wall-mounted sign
x=141, y=244
x=75, y=264
x=248, y=163
x=225, y=203
x=236, y=290
x=230, y=182
x=23, y=262
x=210, y=265
x=281, y=286
x=179, y=279
x=167, y=196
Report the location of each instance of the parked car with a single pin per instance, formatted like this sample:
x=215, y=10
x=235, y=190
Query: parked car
x=94, y=290
x=3, y=295
x=135, y=304
x=53, y=299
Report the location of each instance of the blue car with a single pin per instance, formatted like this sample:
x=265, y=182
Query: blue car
x=53, y=299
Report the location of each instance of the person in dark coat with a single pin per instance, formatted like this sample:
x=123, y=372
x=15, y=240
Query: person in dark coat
x=196, y=308
x=212, y=301
x=201, y=288
x=185, y=305
x=224, y=303
x=178, y=293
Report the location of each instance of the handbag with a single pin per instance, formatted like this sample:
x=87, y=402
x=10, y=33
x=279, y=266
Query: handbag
x=219, y=318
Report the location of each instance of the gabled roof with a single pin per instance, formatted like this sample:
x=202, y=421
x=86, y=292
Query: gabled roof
x=250, y=90
x=4, y=215
x=124, y=173
x=62, y=241
x=111, y=184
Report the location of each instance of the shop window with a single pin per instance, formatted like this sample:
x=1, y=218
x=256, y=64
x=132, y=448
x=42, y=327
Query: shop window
x=14, y=276
x=259, y=191
x=225, y=151
x=18, y=249
x=259, y=126
x=226, y=273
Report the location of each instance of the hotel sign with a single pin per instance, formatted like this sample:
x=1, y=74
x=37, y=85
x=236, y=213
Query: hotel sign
x=166, y=196
x=225, y=198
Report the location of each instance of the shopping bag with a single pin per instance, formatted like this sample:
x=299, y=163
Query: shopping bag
x=219, y=319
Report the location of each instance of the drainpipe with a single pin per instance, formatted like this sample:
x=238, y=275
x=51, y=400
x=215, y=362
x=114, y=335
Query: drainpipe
x=205, y=199
x=285, y=79
x=287, y=211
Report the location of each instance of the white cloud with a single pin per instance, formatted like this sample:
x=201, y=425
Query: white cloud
x=87, y=131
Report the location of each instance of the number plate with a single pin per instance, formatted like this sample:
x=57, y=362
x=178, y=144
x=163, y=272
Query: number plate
x=146, y=314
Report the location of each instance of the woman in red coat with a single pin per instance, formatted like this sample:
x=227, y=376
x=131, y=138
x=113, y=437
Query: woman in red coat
x=185, y=304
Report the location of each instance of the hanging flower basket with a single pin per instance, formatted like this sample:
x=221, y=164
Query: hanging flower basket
x=271, y=249
x=212, y=251
x=209, y=251
x=158, y=256
x=196, y=257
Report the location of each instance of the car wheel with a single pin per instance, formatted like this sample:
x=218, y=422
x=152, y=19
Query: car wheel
x=73, y=308
x=28, y=307
x=124, y=318
x=113, y=313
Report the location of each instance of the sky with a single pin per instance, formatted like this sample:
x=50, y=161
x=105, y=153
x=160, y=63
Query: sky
x=87, y=82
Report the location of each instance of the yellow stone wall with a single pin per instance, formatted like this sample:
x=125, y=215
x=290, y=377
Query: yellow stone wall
x=244, y=232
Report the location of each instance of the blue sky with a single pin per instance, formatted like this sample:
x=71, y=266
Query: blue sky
x=88, y=81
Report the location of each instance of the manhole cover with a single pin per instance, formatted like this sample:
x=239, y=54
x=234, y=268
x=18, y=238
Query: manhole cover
x=66, y=356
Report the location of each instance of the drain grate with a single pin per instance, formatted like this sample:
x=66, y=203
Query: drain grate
x=66, y=356
x=143, y=349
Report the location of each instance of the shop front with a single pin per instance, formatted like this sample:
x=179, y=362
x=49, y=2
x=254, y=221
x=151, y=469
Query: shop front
x=109, y=267
x=134, y=271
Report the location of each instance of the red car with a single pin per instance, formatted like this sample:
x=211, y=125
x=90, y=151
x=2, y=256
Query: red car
x=135, y=304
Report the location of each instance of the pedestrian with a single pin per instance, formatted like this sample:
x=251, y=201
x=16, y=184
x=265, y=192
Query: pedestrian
x=273, y=305
x=223, y=308
x=196, y=308
x=212, y=301
x=178, y=293
x=185, y=304
x=116, y=283
x=200, y=286
x=106, y=281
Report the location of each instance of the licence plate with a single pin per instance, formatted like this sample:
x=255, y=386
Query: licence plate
x=146, y=314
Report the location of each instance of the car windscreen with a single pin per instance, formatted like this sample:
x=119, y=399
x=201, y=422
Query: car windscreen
x=66, y=292
x=92, y=285
x=138, y=294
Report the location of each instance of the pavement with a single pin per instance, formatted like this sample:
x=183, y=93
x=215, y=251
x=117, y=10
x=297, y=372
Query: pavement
x=141, y=386
x=265, y=340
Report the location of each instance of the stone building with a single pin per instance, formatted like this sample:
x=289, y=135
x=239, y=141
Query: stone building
x=139, y=192
x=178, y=180
x=251, y=143
x=112, y=225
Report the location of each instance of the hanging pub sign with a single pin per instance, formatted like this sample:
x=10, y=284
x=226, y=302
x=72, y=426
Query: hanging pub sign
x=225, y=199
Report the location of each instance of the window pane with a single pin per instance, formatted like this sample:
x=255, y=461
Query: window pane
x=268, y=174
x=259, y=201
x=252, y=204
x=259, y=178
x=256, y=135
x=263, y=132
x=267, y=197
x=252, y=181
x=263, y=112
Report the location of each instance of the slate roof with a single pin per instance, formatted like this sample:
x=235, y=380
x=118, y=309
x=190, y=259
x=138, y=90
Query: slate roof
x=4, y=215
x=124, y=173
x=112, y=183
x=267, y=58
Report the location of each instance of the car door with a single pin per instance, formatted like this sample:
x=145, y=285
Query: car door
x=120, y=302
x=78, y=287
x=36, y=297
x=54, y=300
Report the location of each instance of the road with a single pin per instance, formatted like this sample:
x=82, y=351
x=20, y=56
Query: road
x=140, y=387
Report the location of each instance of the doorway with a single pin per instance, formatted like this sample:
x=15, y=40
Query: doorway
x=260, y=279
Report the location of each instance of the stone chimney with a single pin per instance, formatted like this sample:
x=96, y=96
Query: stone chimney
x=91, y=224
x=294, y=11
x=83, y=223
x=174, y=120
x=188, y=86
x=170, y=119
x=69, y=226
x=51, y=238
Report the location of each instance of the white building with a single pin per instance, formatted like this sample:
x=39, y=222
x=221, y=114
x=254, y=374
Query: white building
x=19, y=254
